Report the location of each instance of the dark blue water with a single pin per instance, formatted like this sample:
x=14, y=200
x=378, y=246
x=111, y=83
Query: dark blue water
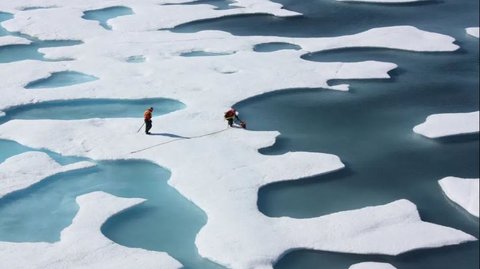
x=105, y=14
x=331, y=18
x=218, y=4
x=370, y=127
x=274, y=46
x=462, y=256
x=385, y=161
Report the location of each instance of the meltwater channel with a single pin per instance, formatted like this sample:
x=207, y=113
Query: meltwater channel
x=167, y=221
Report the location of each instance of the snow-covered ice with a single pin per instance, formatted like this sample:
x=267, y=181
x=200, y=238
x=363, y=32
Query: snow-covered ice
x=463, y=191
x=104, y=57
x=233, y=183
x=226, y=188
x=149, y=15
x=82, y=245
x=13, y=40
x=23, y=170
x=473, y=31
x=447, y=124
x=372, y=265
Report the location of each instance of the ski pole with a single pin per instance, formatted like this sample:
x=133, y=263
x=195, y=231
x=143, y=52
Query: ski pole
x=140, y=127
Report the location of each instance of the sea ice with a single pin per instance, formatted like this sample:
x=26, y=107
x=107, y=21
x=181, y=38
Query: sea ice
x=463, y=191
x=104, y=57
x=148, y=15
x=372, y=265
x=21, y=171
x=13, y=40
x=82, y=245
x=439, y=125
x=217, y=168
x=473, y=31
x=226, y=188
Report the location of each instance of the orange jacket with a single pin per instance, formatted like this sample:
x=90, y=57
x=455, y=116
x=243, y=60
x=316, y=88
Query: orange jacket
x=148, y=114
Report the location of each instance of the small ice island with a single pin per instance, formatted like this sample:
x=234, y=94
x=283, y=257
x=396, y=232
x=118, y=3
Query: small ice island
x=463, y=191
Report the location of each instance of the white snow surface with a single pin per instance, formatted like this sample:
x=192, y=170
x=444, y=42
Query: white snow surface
x=164, y=72
x=462, y=191
x=249, y=238
x=82, y=244
x=23, y=170
x=372, y=265
x=222, y=171
x=13, y=40
x=149, y=15
x=473, y=31
x=448, y=124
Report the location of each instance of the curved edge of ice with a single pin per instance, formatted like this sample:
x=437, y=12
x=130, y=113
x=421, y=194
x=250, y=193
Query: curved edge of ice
x=372, y=265
x=473, y=31
x=25, y=169
x=462, y=191
x=82, y=244
x=13, y=40
x=448, y=124
x=306, y=164
x=350, y=231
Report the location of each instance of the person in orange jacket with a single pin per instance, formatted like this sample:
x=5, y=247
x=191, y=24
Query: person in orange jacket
x=231, y=116
x=147, y=116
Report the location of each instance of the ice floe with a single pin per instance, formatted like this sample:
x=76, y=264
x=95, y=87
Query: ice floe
x=23, y=170
x=249, y=238
x=217, y=168
x=439, y=125
x=473, y=31
x=13, y=40
x=372, y=265
x=463, y=191
x=104, y=57
x=147, y=16
x=82, y=245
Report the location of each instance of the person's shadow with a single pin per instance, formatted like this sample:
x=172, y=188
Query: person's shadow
x=170, y=135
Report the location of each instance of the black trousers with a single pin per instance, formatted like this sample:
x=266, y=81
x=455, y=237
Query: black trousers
x=233, y=120
x=148, y=125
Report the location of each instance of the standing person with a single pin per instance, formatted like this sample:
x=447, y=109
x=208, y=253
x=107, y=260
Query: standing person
x=148, y=119
x=231, y=116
